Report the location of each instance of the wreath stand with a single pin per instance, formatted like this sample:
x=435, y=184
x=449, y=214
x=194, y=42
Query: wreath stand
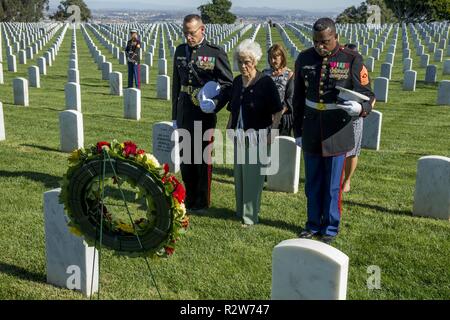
x=106, y=159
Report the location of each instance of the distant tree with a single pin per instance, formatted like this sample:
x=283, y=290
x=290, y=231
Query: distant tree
x=420, y=11
x=22, y=10
x=360, y=14
x=217, y=11
x=61, y=14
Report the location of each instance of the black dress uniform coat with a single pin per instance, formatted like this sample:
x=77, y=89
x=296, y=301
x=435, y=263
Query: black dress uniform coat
x=194, y=67
x=132, y=51
x=328, y=132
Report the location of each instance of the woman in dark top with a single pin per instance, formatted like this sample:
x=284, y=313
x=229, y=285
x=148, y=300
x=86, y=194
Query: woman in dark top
x=255, y=108
x=284, y=80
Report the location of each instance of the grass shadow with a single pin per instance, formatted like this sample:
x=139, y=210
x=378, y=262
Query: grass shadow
x=19, y=272
x=48, y=180
x=379, y=208
x=43, y=148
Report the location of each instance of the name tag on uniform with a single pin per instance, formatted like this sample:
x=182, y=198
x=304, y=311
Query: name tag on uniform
x=339, y=70
x=206, y=63
x=181, y=58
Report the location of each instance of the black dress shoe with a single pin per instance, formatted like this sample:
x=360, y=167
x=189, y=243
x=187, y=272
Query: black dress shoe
x=196, y=210
x=306, y=234
x=327, y=239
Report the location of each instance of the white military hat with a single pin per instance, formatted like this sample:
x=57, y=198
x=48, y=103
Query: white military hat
x=210, y=90
x=350, y=95
x=133, y=31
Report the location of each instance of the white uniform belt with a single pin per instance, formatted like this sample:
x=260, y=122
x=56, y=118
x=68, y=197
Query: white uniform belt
x=321, y=106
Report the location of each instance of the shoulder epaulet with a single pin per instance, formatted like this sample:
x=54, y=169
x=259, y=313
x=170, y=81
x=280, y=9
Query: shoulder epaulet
x=212, y=45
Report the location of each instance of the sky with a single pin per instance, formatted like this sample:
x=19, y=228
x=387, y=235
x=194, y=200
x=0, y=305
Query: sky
x=308, y=5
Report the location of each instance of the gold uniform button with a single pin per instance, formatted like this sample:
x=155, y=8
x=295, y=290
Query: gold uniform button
x=190, y=81
x=321, y=91
x=321, y=83
x=321, y=100
x=324, y=66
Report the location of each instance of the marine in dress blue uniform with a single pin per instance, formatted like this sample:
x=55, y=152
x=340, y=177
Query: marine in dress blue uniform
x=133, y=58
x=323, y=125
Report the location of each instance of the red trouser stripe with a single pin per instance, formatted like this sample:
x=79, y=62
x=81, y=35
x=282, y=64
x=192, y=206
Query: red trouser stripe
x=139, y=76
x=211, y=140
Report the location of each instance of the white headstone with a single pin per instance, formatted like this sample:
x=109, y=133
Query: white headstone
x=162, y=66
x=106, y=70
x=71, y=130
x=73, y=96
x=444, y=93
x=73, y=64
x=70, y=261
x=132, y=104
x=22, y=57
x=424, y=60
x=73, y=75
x=20, y=89
x=432, y=193
x=386, y=70
x=370, y=64
x=115, y=83
x=145, y=74
x=1, y=74
x=12, y=64
x=288, y=175
x=304, y=269
x=163, y=87
x=371, y=135
x=164, y=148
x=2, y=124
x=409, y=80
x=446, y=69
x=34, y=77
x=381, y=89
x=42, y=64
x=407, y=64
x=431, y=74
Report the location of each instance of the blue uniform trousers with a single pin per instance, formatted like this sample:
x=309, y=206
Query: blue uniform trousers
x=323, y=192
x=134, y=75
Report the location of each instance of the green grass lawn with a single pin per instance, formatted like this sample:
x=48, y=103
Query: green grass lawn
x=218, y=259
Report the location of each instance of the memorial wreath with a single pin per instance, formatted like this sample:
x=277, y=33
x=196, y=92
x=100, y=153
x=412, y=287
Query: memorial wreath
x=119, y=169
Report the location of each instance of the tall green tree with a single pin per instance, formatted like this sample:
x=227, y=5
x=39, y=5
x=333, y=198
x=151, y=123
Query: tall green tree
x=61, y=14
x=22, y=10
x=217, y=11
x=420, y=11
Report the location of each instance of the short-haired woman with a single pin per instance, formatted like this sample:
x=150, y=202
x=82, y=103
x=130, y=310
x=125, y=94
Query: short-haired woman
x=255, y=105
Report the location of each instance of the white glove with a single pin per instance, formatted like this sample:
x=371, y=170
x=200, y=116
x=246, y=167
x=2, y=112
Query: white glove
x=207, y=105
x=353, y=108
x=298, y=141
x=174, y=124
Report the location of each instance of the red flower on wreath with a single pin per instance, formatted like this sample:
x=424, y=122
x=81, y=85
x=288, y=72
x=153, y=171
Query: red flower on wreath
x=169, y=250
x=101, y=144
x=179, y=193
x=140, y=151
x=130, y=148
x=166, y=168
